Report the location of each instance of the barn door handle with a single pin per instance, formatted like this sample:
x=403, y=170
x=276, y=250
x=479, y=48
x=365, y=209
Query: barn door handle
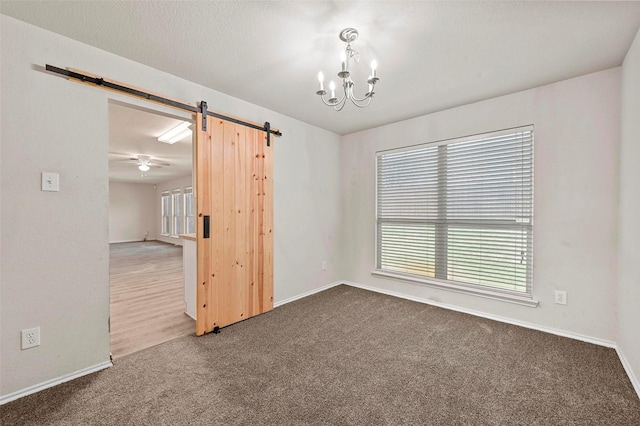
x=205, y=230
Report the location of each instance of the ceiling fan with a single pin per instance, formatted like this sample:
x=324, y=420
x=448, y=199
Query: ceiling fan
x=143, y=162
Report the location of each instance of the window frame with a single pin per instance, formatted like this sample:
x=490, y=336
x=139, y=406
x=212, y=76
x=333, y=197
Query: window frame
x=486, y=291
x=176, y=218
x=188, y=190
x=165, y=232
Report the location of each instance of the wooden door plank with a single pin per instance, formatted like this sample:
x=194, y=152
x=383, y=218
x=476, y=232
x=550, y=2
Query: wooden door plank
x=268, y=225
x=217, y=226
x=203, y=197
x=260, y=224
x=252, y=157
x=227, y=287
x=240, y=288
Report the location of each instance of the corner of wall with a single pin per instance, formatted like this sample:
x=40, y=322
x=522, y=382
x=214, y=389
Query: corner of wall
x=628, y=285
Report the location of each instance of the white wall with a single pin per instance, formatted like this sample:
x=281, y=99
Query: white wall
x=629, y=219
x=132, y=212
x=576, y=154
x=178, y=183
x=54, y=260
x=55, y=245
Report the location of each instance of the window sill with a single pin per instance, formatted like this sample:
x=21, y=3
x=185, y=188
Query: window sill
x=503, y=297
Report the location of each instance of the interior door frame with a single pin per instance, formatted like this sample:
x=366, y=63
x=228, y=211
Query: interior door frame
x=201, y=111
x=155, y=109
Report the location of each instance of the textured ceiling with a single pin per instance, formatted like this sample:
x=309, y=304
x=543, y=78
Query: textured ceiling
x=431, y=55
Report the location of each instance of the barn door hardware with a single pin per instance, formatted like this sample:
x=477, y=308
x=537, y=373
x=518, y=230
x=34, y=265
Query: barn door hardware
x=101, y=82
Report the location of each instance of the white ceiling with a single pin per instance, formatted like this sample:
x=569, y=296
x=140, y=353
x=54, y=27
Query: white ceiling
x=431, y=55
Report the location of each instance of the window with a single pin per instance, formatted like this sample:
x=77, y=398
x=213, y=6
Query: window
x=459, y=214
x=176, y=195
x=189, y=211
x=165, y=213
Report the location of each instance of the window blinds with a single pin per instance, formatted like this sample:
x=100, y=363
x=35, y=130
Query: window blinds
x=177, y=212
x=459, y=211
x=165, y=213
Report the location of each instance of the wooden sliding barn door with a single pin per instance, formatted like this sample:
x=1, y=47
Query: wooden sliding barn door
x=234, y=190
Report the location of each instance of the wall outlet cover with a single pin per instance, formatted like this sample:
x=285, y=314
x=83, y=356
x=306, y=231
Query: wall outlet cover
x=30, y=337
x=561, y=297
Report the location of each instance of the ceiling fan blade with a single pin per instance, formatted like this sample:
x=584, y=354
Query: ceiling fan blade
x=117, y=157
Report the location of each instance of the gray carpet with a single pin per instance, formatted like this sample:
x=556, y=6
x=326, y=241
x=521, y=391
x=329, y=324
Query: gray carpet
x=349, y=356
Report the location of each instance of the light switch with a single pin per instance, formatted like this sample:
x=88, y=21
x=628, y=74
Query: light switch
x=50, y=182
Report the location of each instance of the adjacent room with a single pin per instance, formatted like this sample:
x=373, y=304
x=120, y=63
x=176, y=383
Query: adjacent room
x=151, y=219
x=390, y=212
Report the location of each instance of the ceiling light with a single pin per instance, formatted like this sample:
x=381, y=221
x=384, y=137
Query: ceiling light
x=348, y=35
x=175, y=134
x=144, y=167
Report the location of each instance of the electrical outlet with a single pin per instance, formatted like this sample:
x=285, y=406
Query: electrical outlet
x=561, y=297
x=30, y=338
x=324, y=265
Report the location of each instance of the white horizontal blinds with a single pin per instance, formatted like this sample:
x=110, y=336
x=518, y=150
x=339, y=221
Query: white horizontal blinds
x=490, y=178
x=470, y=201
x=165, y=213
x=408, y=185
x=407, y=248
x=177, y=212
x=407, y=211
x=489, y=210
x=189, y=211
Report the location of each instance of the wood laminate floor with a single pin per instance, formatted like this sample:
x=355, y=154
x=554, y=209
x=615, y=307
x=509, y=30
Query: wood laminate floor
x=147, y=296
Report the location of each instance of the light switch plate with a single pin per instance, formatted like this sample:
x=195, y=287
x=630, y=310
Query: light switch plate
x=50, y=182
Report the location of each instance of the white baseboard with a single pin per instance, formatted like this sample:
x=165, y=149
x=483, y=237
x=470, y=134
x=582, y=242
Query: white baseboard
x=576, y=336
x=53, y=382
x=498, y=318
x=308, y=293
x=627, y=367
x=634, y=381
x=128, y=241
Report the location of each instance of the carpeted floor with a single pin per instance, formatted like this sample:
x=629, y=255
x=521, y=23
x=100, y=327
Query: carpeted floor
x=349, y=356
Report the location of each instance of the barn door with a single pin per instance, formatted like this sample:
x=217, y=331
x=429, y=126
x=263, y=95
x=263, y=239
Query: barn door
x=234, y=190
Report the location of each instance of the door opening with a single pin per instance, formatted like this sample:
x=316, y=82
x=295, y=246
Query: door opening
x=151, y=213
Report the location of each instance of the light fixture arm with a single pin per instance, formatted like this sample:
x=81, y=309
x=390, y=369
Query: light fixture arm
x=348, y=35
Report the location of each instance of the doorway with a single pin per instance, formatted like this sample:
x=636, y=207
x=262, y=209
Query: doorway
x=151, y=207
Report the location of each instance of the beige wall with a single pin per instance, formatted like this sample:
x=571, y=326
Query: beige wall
x=132, y=212
x=629, y=246
x=55, y=246
x=575, y=234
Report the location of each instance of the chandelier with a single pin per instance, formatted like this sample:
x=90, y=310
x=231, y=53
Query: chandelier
x=348, y=35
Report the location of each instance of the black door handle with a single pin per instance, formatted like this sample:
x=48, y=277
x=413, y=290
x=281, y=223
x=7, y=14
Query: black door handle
x=205, y=226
